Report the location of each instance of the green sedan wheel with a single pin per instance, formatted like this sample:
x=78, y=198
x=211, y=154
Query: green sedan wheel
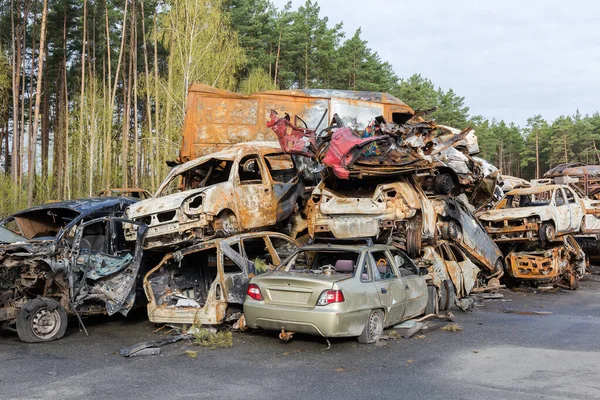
x=373, y=328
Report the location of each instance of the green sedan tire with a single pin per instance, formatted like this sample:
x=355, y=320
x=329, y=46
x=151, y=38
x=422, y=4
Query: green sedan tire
x=373, y=328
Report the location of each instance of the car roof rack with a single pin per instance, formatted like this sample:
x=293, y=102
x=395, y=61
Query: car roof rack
x=352, y=241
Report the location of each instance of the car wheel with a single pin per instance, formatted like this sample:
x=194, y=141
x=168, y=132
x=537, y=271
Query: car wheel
x=41, y=321
x=499, y=266
x=450, y=295
x=443, y=183
x=547, y=232
x=443, y=302
x=373, y=328
x=228, y=223
x=451, y=231
x=413, y=238
x=432, y=300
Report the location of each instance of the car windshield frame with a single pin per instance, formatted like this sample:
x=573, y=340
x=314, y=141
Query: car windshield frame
x=534, y=199
x=172, y=176
x=284, y=266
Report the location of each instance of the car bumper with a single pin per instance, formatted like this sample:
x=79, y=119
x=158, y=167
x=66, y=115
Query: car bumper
x=323, y=321
x=344, y=227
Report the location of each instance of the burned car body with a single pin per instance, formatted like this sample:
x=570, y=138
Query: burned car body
x=336, y=290
x=560, y=264
x=206, y=283
x=441, y=157
x=459, y=225
x=539, y=212
x=356, y=209
x=247, y=186
x=452, y=272
x=67, y=258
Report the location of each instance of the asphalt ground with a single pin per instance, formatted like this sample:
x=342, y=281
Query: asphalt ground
x=497, y=355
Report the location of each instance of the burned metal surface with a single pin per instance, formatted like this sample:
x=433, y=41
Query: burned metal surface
x=562, y=264
x=206, y=282
x=530, y=214
x=248, y=186
x=216, y=119
x=457, y=223
x=398, y=211
x=440, y=157
x=585, y=179
x=72, y=256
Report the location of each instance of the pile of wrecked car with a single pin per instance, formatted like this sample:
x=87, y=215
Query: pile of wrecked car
x=364, y=219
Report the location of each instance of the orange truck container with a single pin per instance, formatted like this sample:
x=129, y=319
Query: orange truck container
x=218, y=118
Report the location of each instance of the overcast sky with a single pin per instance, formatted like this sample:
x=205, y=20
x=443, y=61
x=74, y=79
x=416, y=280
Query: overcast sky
x=509, y=59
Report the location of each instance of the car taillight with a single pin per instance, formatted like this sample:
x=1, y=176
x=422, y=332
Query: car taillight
x=254, y=292
x=330, y=296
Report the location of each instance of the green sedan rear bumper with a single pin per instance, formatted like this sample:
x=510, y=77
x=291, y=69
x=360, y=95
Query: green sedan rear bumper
x=329, y=321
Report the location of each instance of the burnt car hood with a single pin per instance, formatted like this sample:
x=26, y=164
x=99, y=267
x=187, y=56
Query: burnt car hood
x=164, y=203
x=510, y=214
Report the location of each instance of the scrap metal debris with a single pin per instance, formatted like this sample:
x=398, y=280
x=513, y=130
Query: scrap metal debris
x=151, y=347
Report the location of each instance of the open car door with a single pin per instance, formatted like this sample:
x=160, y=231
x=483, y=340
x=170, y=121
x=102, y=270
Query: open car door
x=104, y=267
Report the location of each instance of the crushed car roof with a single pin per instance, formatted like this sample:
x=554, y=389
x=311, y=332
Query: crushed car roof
x=533, y=189
x=573, y=169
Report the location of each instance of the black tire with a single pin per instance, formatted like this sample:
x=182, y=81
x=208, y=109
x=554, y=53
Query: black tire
x=413, y=238
x=41, y=320
x=443, y=303
x=451, y=230
x=499, y=265
x=547, y=232
x=373, y=328
x=432, y=300
x=450, y=295
x=443, y=183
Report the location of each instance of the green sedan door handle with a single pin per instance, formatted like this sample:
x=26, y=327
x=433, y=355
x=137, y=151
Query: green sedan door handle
x=383, y=291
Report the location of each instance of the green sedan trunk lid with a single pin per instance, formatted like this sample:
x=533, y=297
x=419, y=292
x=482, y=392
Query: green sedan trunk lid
x=295, y=288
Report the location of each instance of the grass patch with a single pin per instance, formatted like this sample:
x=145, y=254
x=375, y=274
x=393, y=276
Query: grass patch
x=213, y=340
x=452, y=328
x=191, y=353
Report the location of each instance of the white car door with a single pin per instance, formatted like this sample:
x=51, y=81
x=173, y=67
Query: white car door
x=563, y=212
x=577, y=212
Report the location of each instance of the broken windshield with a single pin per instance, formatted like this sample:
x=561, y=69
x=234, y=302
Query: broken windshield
x=209, y=173
x=7, y=236
x=526, y=200
x=322, y=261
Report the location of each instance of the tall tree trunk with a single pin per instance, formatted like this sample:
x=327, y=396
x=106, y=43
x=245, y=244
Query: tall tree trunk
x=151, y=140
x=157, y=147
x=23, y=88
x=107, y=170
x=79, y=168
x=277, y=58
x=45, y=126
x=306, y=65
x=537, y=155
x=16, y=72
x=127, y=122
x=38, y=92
x=136, y=141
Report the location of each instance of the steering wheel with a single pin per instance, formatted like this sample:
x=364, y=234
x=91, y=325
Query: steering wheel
x=328, y=269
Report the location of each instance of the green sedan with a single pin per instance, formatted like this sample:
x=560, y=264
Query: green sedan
x=337, y=290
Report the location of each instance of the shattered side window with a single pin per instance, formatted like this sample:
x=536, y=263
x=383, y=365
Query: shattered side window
x=256, y=251
x=559, y=199
x=281, y=167
x=250, y=171
x=405, y=267
x=208, y=174
x=230, y=266
x=284, y=248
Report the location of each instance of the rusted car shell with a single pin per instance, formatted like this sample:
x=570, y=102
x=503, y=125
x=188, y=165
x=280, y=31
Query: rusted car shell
x=472, y=238
x=216, y=118
x=392, y=207
x=171, y=223
x=462, y=272
x=566, y=262
x=583, y=178
x=226, y=289
x=507, y=223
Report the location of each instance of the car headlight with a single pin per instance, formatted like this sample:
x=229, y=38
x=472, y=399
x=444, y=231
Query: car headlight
x=193, y=205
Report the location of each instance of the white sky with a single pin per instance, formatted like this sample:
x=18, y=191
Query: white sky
x=509, y=59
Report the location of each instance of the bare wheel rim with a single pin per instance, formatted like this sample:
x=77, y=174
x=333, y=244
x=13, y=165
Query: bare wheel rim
x=45, y=323
x=375, y=326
